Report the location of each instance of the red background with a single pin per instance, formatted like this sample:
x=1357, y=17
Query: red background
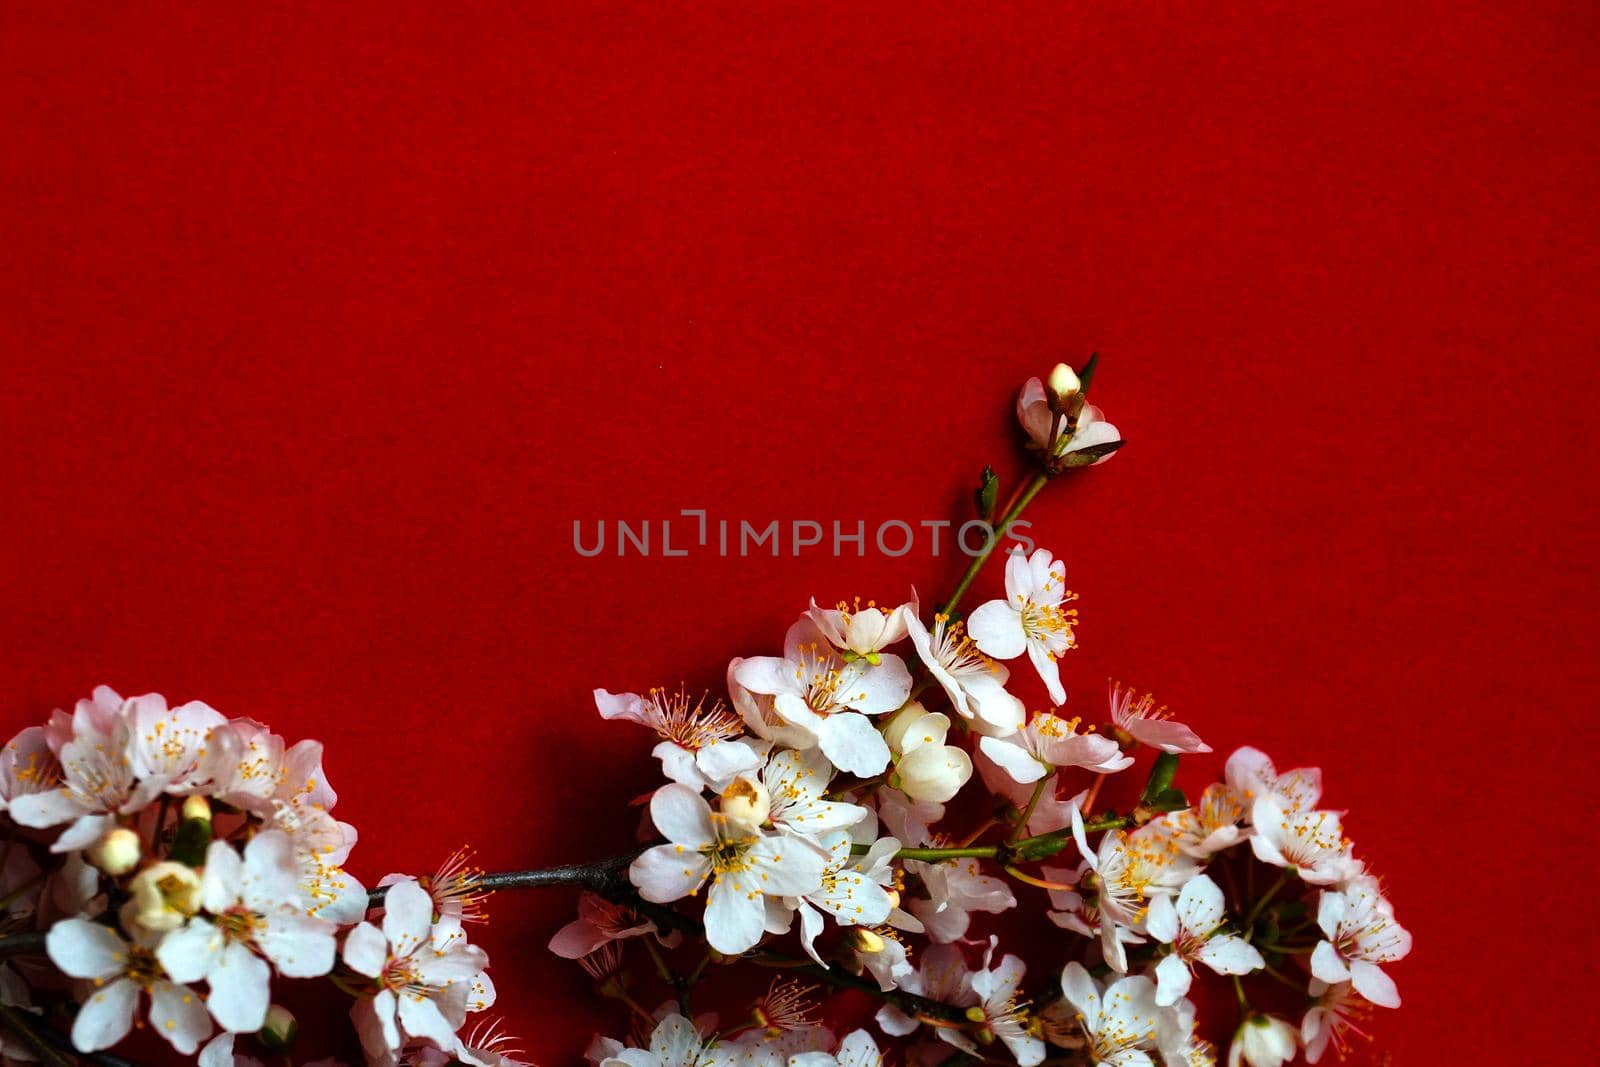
x=322, y=327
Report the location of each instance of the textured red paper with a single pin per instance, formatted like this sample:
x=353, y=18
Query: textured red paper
x=322, y=327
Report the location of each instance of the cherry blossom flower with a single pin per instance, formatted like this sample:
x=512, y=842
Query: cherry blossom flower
x=1212, y=824
x=1004, y=1018
x=1031, y=619
x=856, y=1049
x=121, y=972
x=701, y=746
x=1193, y=929
x=599, y=922
x=27, y=766
x=744, y=867
x=1252, y=777
x=172, y=749
x=853, y=888
x=1050, y=742
x=674, y=1043
x=420, y=991
x=1310, y=843
x=860, y=633
x=829, y=698
x=1071, y=910
x=975, y=684
x=1262, y=1041
x=1150, y=725
x=796, y=783
x=942, y=975
x=1335, y=1009
x=1047, y=429
x=1360, y=935
x=879, y=952
x=321, y=844
x=98, y=781
x=255, y=917
x=1117, y=1025
x=955, y=889
x=1132, y=868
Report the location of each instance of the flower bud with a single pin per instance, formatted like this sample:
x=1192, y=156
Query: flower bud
x=196, y=807
x=163, y=895
x=1062, y=386
x=280, y=1029
x=866, y=941
x=934, y=772
x=746, y=802
x=1263, y=1041
x=895, y=732
x=117, y=852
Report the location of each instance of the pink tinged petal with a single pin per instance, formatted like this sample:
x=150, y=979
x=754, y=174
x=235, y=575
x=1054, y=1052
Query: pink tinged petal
x=240, y=990
x=106, y=1017
x=675, y=1041
x=178, y=1014
x=50, y=808
x=853, y=744
x=1200, y=905
x=997, y=630
x=1049, y=671
x=189, y=953
x=577, y=939
x=366, y=950
x=1172, y=981
x=682, y=816
x=627, y=706
x=461, y=964
x=1167, y=735
x=1326, y=964
x=85, y=949
x=668, y=872
x=876, y=688
x=299, y=946
x=1371, y=982
x=1081, y=839
x=996, y=985
x=1228, y=954
x=1162, y=920
x=374, y=1022
x=1247, y=770
x=407, y=916
x=734, y=913
x=1013, y=759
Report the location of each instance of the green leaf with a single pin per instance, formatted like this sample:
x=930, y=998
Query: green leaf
x=1083, y=457
x=1086, y=375
x=1162, y=772
x=984, y=496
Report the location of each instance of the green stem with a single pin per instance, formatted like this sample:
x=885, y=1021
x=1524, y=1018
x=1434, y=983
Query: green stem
x=1255, y=912
x=1033, y=802
x=1038, y=483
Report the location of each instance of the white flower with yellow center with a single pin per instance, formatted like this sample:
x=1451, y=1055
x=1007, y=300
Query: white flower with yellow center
x=745, y=866
x=854, y=889
x=252, y=916
x=701, y=745
x=1311, y=843
x=1050, y=742
x=1031, y=619
x=1252, y=777
x=827, y=697
x=796, y=784
x=119, y=973
x=1192, y=927
x=860, y=633
x=1360, y=935
x=1151, y=724
x=1118, y=1025
x=422, y=986
x=1131, y=869
x=975, y=684
x=1212, y=824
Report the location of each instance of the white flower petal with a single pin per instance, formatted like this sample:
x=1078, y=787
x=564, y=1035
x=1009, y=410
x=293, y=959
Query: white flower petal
x=85, y=949
x=106, y=1017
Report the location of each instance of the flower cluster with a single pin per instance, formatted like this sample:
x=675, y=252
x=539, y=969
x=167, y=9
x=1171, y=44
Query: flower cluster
x=184, y=867
x=823, y=803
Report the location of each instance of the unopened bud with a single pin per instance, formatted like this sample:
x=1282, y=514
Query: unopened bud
x=117, y=852
x=196, y=807
x=867, y=941
x=280, y=1029
x=746, y=802
x=164, y=895
x=1063, y=386
x=894, y=733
